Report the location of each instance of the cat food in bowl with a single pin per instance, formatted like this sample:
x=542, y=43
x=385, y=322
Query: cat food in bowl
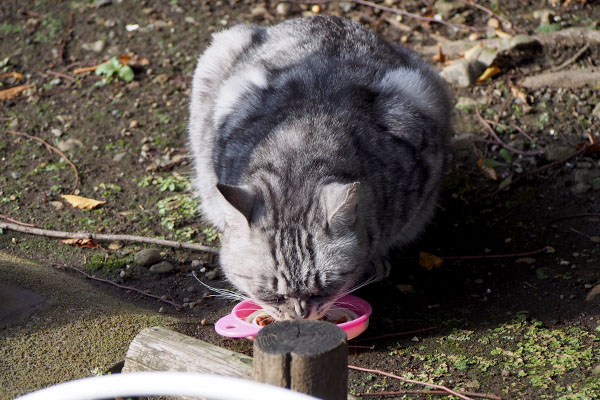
x=350, y=313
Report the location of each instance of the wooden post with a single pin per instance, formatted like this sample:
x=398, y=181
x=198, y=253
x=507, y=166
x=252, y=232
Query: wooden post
x=306, y=356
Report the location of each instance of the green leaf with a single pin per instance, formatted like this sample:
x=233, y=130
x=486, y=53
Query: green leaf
x=488, y=162
x=505, y=183
x=105, y=69
x=116, y=65
x=126, y=73
x=506, y=155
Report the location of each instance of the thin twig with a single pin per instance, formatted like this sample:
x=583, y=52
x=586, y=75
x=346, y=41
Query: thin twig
x=396, y=334
x=49, y=146
x=16, y=222
x=487, y=10
x=407, y=380
x=572, y=59
x=574, y=216
x=100, y=236
x=522, y=132
x=428, y=392
x=65, y=39
x=491, y=131
x=61, y=75
x=177, y=306
x=579, y=152
x=401, y=12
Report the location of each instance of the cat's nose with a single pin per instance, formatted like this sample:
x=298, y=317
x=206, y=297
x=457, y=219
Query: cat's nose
x=301, y=309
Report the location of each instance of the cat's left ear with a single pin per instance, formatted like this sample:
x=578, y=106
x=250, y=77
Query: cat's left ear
x=340, y=201
x=241, y=200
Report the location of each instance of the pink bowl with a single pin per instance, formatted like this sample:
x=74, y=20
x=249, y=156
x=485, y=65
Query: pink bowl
x=235, y=325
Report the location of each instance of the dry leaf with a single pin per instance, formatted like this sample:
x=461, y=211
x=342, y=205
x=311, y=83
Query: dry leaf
x=429, y=261
x=440, y=56
x=487, y=171
x=86, y=243
x=13, y=92
x=81, y=202
x=115, y=245
x=520, y=94
x=14, y=75
x=469, y=53
x=593, y=293
x=595, y=239
x=503, y=35
x=489, y=72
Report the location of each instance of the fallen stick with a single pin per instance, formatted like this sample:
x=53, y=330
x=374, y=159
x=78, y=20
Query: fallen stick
x=428, y=392
x=9, y=219
x=407, y=380
x=52, y=148
x=491, y=131
x=175, y=305
x=101, y=236
x=401, y=12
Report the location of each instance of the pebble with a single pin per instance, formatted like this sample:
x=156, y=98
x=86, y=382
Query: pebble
x=462, y=72
x=197, y=263
x=67, y=145
x=134, y=123
x=283, y=9
x=204, y=321
x=147, y=257
x=16, y=175
x=56, y=132
x=57, y=204
x=162, y=267
x=212, y=274
x=596, y=370
x=96, y=47
x=115, y=245
x=146, y=147
x=414, y=339
x=119, y=156
x=161, y=310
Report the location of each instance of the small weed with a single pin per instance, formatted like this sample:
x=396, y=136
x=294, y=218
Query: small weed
x=100, y=261
x=176, y=210
x=9, y=29
x=172, y=183
x=112, y=70
x=212, y=235
x=548, y=28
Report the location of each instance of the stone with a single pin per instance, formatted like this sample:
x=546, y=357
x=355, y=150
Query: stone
x=545, y=16
x=162, y=267
x=16, y=175
x=56, y=132
x=596, y=370
x=283, y=9
x=212, y=274
x=134, y=124
x=57, y=204
x=96, y=47
x=197, y=263
x=445, y=7
x=68, y=145
x=147, y=257
x=119, y=156
x=596, y=111
x=462, y=72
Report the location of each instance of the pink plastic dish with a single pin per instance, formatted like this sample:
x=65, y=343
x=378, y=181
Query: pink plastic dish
x=235, y=325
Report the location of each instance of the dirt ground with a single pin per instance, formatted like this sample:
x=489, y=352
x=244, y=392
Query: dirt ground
x=507, y=320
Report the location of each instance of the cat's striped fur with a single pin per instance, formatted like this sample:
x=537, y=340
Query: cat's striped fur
x=317, y=147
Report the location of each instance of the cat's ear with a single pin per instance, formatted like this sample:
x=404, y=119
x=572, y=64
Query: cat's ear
x=241, y=200
x=340, y=201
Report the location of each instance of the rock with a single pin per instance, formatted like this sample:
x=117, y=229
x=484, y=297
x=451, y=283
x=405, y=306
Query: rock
x=545, y=16
x=96, y=47
x=596, y=111
x=68, y=145
x=119, y=156
x=212, y=274
x=197, y=264
x=596, y=370
x=555, y=152
x=115, y=245
x=445, y=7
x=57, y=204
x=283, y=9
x=162, y=267
x=147, y=257
x=462, y=72
x=466, y=103
x=102, y=3
x=16, y=175
x=133, y=124
x=56, y=132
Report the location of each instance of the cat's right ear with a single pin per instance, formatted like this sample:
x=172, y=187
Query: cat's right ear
x=241, y=200
x=341, y=203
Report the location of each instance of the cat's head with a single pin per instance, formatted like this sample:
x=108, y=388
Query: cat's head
x=293, y=259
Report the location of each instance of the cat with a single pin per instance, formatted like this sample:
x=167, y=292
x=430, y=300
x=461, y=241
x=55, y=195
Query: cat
x=318, y=147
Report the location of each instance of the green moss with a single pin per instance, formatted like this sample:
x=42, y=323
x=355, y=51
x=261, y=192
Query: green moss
x=108, y=264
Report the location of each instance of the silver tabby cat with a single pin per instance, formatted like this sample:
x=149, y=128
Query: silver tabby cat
x=317, y=148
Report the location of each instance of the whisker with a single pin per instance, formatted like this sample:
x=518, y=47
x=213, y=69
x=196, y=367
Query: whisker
x=223, y=293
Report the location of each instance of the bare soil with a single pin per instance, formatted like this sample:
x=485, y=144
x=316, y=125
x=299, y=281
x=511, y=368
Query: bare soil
x=517, y=326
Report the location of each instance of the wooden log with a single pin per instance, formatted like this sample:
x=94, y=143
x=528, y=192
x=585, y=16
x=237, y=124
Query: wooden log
x=306, y=356
x=160, y=349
